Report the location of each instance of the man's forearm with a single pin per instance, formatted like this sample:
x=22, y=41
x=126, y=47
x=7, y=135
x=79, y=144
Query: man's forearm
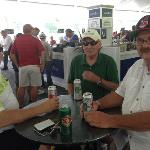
x=9, y=117
x=13, y=58
x=42, y=61
x=137, y=121
x=109, y=85
x=70, y=88
x=110, y=100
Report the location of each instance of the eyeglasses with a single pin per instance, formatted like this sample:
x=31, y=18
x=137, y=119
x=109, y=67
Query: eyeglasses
x=92, y=43
x=140, y=41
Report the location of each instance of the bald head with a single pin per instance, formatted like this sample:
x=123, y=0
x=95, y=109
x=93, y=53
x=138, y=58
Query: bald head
x=27, y=29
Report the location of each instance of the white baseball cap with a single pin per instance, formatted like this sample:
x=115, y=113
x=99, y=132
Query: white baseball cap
x=91, y=33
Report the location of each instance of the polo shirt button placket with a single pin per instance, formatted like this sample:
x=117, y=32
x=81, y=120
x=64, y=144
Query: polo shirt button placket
x=131, y=111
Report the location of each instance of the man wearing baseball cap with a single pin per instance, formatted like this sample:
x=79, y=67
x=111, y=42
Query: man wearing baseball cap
x=97, y=71
x=133, y=95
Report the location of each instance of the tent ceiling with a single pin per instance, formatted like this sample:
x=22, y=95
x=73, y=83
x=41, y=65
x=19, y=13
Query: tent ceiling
x=134, y=5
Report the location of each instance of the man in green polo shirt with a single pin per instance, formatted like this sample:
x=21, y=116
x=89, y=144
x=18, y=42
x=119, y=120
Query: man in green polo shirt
x=97, y=71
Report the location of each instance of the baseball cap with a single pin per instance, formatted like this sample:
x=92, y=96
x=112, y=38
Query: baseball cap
x=68, y=30
x=91, y=33
x=143, y=24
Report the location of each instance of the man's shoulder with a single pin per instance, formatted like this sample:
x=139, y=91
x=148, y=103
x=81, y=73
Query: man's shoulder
x=78, y=59
x=136, y=67
x=75, y=36
x=106, y=57
x=139, y=63
x=8, y=37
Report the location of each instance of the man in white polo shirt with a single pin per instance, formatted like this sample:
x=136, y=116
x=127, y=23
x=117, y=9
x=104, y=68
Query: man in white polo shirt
x=133, y=95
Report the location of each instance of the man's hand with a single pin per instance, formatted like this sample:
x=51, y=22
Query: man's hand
x=50, y=104
x=90, y=76
x=95, y=105
x=41, y=66
x=98, y=119
x=81, y=111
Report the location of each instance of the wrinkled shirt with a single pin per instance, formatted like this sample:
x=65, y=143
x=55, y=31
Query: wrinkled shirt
x=6, y=43
x=135, y=88
x=7, y=98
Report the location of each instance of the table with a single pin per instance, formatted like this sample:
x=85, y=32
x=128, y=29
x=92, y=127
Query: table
x=81, y=131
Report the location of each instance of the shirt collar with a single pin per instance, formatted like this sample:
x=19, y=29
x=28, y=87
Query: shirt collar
x=143, y=65
x=98, y=61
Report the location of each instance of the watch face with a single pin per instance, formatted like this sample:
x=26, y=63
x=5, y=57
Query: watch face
x=99, y=82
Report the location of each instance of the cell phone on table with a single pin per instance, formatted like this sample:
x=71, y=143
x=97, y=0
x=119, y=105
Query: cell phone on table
x=44, y=127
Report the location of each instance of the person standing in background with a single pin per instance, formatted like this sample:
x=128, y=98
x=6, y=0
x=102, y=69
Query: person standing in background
x=47, y=60
x=6, y=44
x=30, y=53
x=52, y=41
x=35, y=32
x=16, y=68
x=70, y=38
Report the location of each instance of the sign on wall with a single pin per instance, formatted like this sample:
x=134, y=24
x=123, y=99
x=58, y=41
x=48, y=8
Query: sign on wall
x=94, y=13
x=106, y=12
x=95, y=23
x=9, y=31
x=107, y=23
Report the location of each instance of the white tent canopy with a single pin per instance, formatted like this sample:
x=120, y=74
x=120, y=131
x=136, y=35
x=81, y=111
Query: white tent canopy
x=133, y=5
x=68, y=13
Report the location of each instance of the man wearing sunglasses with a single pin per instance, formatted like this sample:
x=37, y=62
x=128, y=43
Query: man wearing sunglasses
x=97, y=71
x=133, y=95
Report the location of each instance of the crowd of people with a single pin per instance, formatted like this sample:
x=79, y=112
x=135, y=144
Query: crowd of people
x=98, y=74
x=124, y=35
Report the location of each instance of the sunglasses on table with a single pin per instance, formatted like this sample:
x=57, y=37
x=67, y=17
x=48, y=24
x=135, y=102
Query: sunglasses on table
x=92, y=43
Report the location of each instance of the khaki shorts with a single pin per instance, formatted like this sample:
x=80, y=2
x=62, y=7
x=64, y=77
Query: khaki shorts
x=29, y=76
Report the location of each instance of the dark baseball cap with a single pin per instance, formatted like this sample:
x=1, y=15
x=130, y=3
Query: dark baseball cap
x=143, y=24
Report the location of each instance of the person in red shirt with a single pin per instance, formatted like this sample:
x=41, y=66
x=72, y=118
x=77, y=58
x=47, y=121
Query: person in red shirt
x=27, y=53
x=52, y=41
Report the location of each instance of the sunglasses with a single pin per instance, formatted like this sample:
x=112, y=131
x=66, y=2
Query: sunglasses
x=92, y=43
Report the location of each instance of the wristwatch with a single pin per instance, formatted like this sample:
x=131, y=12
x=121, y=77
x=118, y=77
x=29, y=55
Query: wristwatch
x=99, y=81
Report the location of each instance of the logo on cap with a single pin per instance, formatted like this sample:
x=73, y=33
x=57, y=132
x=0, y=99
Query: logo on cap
x=143, y=22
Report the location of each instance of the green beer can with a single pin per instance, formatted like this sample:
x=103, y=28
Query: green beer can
x=65, y=119
x=87, y=101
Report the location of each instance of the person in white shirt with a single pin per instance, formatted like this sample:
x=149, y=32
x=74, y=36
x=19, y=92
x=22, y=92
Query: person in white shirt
x=133, y=95
x=6, y=44
x=11, y=114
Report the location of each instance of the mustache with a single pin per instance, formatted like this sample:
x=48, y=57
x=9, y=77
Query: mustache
x=145, y=49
